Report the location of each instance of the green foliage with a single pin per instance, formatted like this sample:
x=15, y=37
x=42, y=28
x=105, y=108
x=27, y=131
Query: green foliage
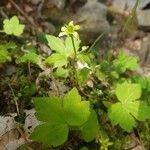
x=90, y=128
x=28, y=57
x=63, y=50
x=76, y=111
x=129, y=107
x=61, y=72
x=57, y=116
x=83, y=75
x=124, y=62
x=12, y=26
x=5, y=53
x=107, y=84
x=143, y=81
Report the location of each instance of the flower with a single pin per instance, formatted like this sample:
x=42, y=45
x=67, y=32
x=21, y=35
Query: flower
x=69, y=29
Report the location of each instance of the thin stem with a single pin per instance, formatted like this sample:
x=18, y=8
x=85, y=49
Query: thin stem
x=17, y=107
x=74, y=62
x=74, y=48
x=29, y=69
x=95, y=42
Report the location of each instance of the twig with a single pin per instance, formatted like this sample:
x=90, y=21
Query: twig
x=29, y=69
x=17, y=106
x=95, y=42
x=4, y=15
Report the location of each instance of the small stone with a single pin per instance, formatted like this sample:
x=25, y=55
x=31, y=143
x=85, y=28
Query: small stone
x=139, y=147
x=6, y=124
x=145, y=51
x=92, y=19
x=30, y=122
x=35, y=2
x=9, y=70
x=13, y=145
x=129, y=4
x=143, y=19
x=58, y=3
x=28, y=8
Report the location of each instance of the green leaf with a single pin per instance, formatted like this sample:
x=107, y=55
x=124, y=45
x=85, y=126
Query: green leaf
x=144, y=81
x=49, y=109
x=76, y=111
x=128, y=92
x=11, y=45
x=124, y=62
x=83, y=75
x=140, y=110
x=56, y=116
x=84, y=148
x=119, y=115
x=50, y=134
x=56, y=44
x=61, y=72
x=57, y=59
x=84, y=58
x=28, y=57
x=4, y=55
x=12, y=26
x=90, y=128
x=100, y=75
x=129, y=108
x=69, y=45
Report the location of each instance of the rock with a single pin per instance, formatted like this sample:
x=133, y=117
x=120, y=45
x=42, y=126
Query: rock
x=139, y=147
x=9, y=139
x=35, y=2
x=30, y=122
x=6, y=124
x=145, y=51
x=10, y=69
x=92, y=19
x=13, y=145
x=57, y=3
x=129, y=4
x=8, y=133
x=143, y=19
x=48, y=27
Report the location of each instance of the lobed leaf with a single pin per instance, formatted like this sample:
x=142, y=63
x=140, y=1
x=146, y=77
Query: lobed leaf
x=128, y=92
x=56, y=44
x=76, y=111
x=12, y=26
x=129, y=108
x=49, y=109
x=90, y=127
x=50, y=134
x=57, y=59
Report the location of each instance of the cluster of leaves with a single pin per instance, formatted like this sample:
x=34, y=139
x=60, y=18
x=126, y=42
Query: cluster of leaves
x=6, y=51
x=108, y=85
x=58, y=116
x=13, y=27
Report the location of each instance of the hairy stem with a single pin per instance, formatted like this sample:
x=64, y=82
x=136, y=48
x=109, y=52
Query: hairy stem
x=74, y=63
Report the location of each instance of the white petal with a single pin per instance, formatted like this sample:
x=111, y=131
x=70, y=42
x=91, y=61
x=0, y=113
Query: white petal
x=62, y=34
x=76, y=35
x=71, y=23
x=77, y=27
x=63, y=29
